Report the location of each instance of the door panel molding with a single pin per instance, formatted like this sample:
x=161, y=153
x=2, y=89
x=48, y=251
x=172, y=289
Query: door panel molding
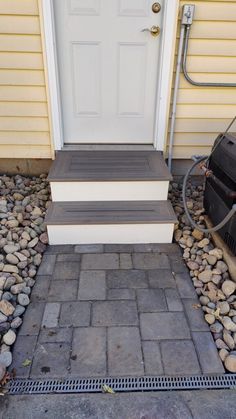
x=168, y=39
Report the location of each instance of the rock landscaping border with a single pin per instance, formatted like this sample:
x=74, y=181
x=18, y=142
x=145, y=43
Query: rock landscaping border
x=23, y=239
x=209, y=273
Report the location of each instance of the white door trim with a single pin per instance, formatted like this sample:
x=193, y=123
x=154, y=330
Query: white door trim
x=164, y=79
x=52, y=73
x=170, y=19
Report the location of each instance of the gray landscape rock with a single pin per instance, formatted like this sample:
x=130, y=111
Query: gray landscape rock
x=9, y=338
x=23, y=300
x=6, y=358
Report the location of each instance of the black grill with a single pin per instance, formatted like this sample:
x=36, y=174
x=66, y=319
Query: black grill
x=217, y=202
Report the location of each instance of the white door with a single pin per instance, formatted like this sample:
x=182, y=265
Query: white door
x=108, y=69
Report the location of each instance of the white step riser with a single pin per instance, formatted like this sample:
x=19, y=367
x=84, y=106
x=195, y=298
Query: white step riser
x=110, y=191
x=110, y=233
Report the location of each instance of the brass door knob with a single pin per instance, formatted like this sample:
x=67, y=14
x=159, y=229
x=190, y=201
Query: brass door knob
x=156, y=7
x=154, y=30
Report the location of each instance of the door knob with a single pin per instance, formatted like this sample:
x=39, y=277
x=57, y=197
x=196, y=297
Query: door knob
x=154, y=30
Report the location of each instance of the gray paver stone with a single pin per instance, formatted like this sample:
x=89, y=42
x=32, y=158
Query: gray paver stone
x=89, y=352
x=173, y=300
x=157, y=326
x=152, y=358
x=89, y=248
x=100, y=261
x=121, y=294
x=51, y=360
x=92, y=285
x=161, y=278
x=66, y=270
x=207, y=353
x=32, y=319
x=151, y=300
x=142, y=248
x=23, y=349
x=195, y=316
x=125, y=261
x=55, y=335
x=63, y=290
x=177, y=264
x=179, y=357
x=185, y=286
x=126, y=279
x=75, y=314
x=114, y=313
x=40, y=288
x=51, y=315
x=47, y=265
x=68, y=257
x=60, y=249
x=124, y=351
x=150, y=261
x=168, y=248
x=119, y=248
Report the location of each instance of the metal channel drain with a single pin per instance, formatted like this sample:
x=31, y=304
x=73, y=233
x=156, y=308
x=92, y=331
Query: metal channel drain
x=94, y=385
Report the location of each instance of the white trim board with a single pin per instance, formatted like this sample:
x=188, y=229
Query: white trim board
x=168, y=38
x=110, y=233
x=109, y=191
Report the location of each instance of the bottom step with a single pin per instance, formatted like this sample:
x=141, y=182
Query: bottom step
x=110, y=222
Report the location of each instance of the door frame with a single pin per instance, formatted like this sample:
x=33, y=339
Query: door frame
x=167, y=49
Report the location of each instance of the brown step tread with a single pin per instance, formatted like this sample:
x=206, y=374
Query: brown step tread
x=107, y=165
x=121, y=212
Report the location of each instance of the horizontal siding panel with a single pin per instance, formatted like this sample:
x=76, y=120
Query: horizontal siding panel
x=23, y=124
x=195, y=139
x=25, y=151
x=201, y=111
x=23, y=109
x=201, y=125
x=20, y=43
x=19, y=24
x=184, y=152
x=211, y=64
x=23, y=93
x=21, y=60
x=207, y=77
x=19, y=7
x=213, y=10
x=212, y=30
x=22, y=77
x=201, y=95
x=24, y=137
x=208, y=47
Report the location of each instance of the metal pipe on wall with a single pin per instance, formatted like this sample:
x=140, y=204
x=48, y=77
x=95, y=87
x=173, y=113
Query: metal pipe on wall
x=175, y=95
x=187, y=18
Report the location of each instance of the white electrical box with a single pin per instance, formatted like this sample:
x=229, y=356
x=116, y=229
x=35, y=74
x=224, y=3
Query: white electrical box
x=188, y=12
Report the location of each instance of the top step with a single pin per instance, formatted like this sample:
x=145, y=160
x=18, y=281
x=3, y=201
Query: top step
x=106, y=165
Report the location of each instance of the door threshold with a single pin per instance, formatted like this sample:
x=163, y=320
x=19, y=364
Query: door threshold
x=121, y=147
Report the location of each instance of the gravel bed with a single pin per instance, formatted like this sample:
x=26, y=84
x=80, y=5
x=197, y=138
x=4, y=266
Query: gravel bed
x=23, y=239
x=209, y=273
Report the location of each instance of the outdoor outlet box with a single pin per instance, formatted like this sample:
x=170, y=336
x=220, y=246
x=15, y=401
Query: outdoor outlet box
x=188, y=12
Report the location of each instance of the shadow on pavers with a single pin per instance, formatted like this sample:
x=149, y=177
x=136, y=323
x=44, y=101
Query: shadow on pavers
x=201, y=404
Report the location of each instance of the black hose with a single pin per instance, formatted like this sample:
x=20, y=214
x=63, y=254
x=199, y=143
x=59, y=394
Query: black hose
x=195, y=225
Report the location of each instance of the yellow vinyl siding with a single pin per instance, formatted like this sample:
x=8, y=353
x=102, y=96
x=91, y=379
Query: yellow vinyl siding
x=24, y=121
x=202, y=112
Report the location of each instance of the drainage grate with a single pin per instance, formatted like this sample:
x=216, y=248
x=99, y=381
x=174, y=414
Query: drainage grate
x=129, y=384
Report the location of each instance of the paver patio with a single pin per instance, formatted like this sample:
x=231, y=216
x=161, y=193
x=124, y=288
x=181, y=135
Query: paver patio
x=114, y=310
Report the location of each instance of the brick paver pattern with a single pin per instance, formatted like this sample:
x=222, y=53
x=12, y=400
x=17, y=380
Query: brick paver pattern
x=114, y=310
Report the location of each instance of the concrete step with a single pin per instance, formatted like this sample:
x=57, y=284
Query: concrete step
x=110, y=222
